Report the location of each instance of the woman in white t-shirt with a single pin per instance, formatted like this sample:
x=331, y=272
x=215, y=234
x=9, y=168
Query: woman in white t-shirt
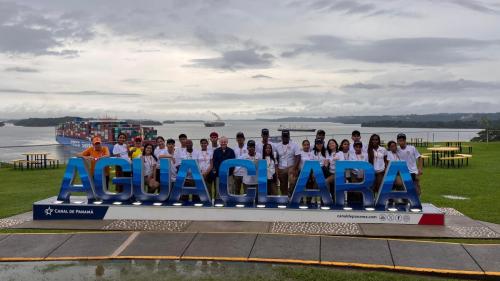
x=150, y=162
x=333, y=154
x=392, y=155
x=344, y=155
x=120, y=149
x=271, y=169
x=377, y=156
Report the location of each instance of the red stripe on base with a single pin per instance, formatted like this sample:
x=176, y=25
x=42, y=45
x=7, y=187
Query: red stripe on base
x=432, y=219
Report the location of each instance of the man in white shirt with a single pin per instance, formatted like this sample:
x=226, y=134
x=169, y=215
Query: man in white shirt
x=252, y=155
x=182, y=139
x=188, y=154
x=288, y=155
x=214, y=142
x=411, y=156
x=205, y=162
x=240, y=149
x=259, y=146
x=356, y=137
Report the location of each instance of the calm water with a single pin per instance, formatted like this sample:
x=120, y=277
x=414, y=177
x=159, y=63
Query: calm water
x=43, y=139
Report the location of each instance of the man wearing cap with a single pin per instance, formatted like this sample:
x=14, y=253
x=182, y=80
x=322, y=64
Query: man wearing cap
x=288, y=155
x=411, y=156
x=259, y=146
x=356, y=137
x=94, y=153
x=214, y=144
x=186, y=154
x=240, y=149
x=252, y=155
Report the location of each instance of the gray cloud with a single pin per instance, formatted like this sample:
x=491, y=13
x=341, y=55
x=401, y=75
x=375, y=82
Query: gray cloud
x=363, y=86
x=350, y=7
x=234, y=60
x=144, y=81
x=418, y=51
x=21, y=69
x=344, y=6
x=266, y=96
x=24, y=31
x=355, y=70
x=285, y=88
x=425, y=85
x=475, y=6
x=67, y=93
x=262, y=76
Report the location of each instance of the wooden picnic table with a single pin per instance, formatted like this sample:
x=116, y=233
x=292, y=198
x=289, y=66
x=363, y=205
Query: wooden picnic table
x=442, y=151
x=36, y=159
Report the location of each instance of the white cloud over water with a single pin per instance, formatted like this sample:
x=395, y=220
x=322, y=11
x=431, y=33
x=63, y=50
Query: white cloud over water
x=247, y=59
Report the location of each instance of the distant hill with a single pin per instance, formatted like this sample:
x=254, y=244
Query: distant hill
x=52, y=122
x=43, y=122
x=438, y=117
x=145, y=122
x=425, y=124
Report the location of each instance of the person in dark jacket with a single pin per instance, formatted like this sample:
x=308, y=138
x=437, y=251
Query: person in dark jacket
x=220, y=154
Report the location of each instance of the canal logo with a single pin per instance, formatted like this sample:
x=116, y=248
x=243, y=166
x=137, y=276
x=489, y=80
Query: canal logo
x=48, y=211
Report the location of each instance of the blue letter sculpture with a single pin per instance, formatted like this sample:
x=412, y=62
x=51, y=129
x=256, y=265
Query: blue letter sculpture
x=262, y=197
x=231, y=199
x=300, y=188
x=67, y=185
x=199, y=188
x=138, y=181
x=341, y=187
x=100, y=178
x=386, y=192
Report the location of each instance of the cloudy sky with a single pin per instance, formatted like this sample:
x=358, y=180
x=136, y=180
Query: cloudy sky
x=247, y=59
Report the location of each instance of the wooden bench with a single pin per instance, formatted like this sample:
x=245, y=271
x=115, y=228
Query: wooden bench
x=467, y=156
x=466, y=148
x=426, y=157
x=23, y=163
x=18, y=163
x=451, y=160
x=53, y=163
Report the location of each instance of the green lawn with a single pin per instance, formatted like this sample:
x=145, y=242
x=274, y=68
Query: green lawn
x=480, y=182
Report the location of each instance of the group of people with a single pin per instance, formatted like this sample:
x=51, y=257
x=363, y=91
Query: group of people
x=284, y=160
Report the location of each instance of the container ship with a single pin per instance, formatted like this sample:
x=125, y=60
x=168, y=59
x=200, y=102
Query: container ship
x=79, y=133
x=296, y=128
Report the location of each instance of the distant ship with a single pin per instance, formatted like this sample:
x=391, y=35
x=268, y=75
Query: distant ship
x=296, y=128
x=217, y=123
x=79, y=133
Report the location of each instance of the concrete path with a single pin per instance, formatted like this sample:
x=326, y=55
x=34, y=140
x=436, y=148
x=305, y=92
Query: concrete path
x=375, y=253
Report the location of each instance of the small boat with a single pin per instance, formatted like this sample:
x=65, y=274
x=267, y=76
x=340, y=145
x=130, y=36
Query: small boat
x=217, y=123
x=296, y=128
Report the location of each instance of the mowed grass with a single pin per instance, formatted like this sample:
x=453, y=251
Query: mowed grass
x=19, y=189
x=480, y=182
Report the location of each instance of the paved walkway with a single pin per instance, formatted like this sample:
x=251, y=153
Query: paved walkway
x=374, y=253
x=457, y=226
